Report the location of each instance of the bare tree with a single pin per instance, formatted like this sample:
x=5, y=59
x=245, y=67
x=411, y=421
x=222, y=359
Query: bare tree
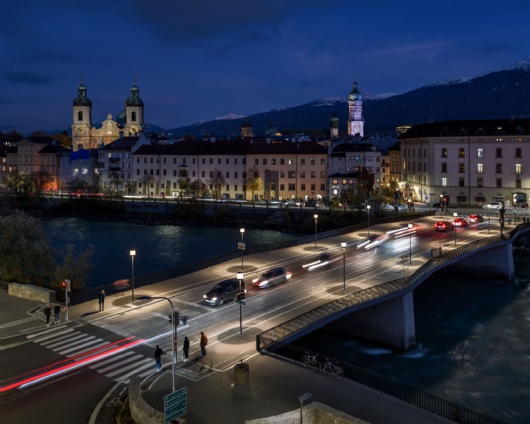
x=253, y=181
x=216, y=181
x=197, y=188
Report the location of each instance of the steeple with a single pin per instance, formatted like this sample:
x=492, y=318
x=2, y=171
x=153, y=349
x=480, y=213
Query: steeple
x=355, y=112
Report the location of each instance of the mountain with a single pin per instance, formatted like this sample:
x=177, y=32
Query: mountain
x=499, y=94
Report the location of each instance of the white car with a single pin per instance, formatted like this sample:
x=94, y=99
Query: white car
x=492, y=205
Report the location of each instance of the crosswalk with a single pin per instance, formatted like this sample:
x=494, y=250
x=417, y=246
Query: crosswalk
x=111, y=359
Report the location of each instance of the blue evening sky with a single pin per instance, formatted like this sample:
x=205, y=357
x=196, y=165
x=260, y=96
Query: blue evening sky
x=201, y=59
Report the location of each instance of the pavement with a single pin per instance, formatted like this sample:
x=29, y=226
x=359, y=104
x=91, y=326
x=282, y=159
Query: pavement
x=274, y=385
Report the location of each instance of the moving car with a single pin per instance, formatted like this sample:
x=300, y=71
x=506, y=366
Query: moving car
x=459, y=222
x=271, y=278
x=475, y=217
x=493, y=205
x=323, y=261
x=444, y=226
x=224, y=291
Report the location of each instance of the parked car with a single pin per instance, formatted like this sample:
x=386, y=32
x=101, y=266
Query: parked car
x=493, y=205
x=271, y=278
x=459, y=222
x=475, y=217
x=444, y=226
x=224, y=291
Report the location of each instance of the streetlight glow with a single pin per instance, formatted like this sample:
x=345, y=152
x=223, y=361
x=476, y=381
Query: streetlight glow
x=368, y=213
x=316, y=220
x=239, y=276
x=410, y=242
x=133, y=254
x=455, y=215
x=242, y=231
x=343, y=245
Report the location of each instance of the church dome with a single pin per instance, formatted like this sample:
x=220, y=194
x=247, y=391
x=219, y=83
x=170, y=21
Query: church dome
x=82, y=99
x=134, y=100
x=355, y=94
x=121, y=119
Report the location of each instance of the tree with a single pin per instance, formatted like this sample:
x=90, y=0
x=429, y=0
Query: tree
x=198, y=189
x=42, y=180
x=116, y=181
x=216, y=181
x=72, y=267
x=184, y=185
x=253, y=181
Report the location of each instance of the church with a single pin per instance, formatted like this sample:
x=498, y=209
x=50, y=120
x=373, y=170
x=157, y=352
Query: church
x=86, y=135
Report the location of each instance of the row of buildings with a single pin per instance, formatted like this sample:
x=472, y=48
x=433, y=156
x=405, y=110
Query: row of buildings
x=461, y=162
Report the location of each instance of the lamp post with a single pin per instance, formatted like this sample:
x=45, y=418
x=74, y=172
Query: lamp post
x=242, y=231
x=441, y=206
x=455, y=215
x=343, y=244
x=316, y=221
x=239, y=277
x=174, y=319
x=410, y=242
x=368, y=213
x=133, y=254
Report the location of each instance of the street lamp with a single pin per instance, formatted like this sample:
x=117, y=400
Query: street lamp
x=174, y=319
x=410, y=242
x=242, y=231
x=316, y=221
x=239, y=277
x=133, y=254
x=441, y=206
x=455, y=215
x=343, y=244
x=368, y=213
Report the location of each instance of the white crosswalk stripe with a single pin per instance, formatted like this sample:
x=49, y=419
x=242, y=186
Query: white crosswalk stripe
x=79, y=346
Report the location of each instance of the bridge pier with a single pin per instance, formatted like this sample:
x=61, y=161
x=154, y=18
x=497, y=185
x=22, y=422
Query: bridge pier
x=389, y=323
x=495, y=262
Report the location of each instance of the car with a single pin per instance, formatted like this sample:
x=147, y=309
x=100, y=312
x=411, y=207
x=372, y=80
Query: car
x=459, y=222
x=444, y=226
x=493, y=205
x=224, y=291
x=440, y=205
x=271, y=278
x=475, y=217
x=323, y=261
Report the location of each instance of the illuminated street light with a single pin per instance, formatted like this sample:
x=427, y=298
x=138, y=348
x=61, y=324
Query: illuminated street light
x=133, y=254
x=410, y=242
x=316, y=221
x=455, y=215
x=343, y=244
x=239, y=277
x=242, y=246
x=441, y=206
x=368, y=213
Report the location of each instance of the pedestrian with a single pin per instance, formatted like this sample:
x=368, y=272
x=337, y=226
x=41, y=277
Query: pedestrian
x=56, y=312
x=158, y=357
x=101, y=300
x=186, y=348
x=440, y=250
x=203, y=343
x=48, y=313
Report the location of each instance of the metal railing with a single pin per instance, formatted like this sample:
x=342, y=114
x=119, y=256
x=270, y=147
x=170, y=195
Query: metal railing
x=419, y=398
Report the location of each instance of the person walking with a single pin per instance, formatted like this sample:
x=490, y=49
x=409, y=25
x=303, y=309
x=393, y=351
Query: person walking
x=203, y=343
x=48, y=313
x=57, y=312
x=158, y=357
x=101, y=300
x=186, y=348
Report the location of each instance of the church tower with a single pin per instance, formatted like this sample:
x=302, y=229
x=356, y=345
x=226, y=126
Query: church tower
x=246, y=129
x=334, y=126
x=355, y=112
x=134, y=113
x=82, y=119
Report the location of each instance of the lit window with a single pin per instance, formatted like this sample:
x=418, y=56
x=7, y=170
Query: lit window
x=444, y=182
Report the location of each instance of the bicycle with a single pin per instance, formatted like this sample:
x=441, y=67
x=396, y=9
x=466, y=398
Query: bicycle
x=309, y=360
x=333, y=369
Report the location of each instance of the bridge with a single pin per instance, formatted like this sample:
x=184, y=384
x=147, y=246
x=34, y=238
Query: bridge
x=384, y=313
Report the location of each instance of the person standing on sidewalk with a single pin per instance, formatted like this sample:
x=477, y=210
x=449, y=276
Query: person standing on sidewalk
x=57, y=312
x=48, y=313
x=203, y=343
x=186, y=348
x=158, y=357
x=101, y=300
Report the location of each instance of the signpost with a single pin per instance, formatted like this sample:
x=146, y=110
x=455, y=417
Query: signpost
x=175, y=404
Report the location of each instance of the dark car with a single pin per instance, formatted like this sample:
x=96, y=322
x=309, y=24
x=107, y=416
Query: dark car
x=444, y=226
x=271, y=278
x=323, y=261
x=224, y=291
x=475, y=217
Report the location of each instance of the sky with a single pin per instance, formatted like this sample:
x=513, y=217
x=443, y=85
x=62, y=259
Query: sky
x=203, y=59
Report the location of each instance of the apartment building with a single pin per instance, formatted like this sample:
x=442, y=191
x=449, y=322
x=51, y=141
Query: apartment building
x=467, y=162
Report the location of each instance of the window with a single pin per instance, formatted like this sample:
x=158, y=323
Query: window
x=499, y=182
x=282, y=161
x=235, y=176
x=291, y=187
x=444, y=167
x=211, y=174
x=256, y=161
x=302, y=161
x=218, y=161
x=292, y=174
x=498, y=168
x=444, y=152
x=312, y=161
x=302, y=174
x=461, y=153
x=211, y=161
x=480, y=168
x=322, y=174
x=227, y=187
x=322, y=161
x=480, y=182
x=323, y=187
x=264, y=161
x=518, y=152
x=203, y=174
x=273, y=187
x=461, y=182
x=227, y=174
x=313, y=174
x=302, y=187
x=282, y=174
x=444, y=182
x=498, y=152
x=461, y=167
x=290, y=161
x=235, y=187
x=235, y=163
x=517, y=183
x=282, y=187
x=517, y=168
x=313, y=187
x=203, y=161
x=273, y=161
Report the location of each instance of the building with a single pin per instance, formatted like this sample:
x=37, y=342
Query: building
x=129, y=123
x=355, y=112
x=467, y=162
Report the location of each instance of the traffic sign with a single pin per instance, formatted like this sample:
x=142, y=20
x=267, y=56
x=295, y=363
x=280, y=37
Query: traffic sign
x=175, y=404
x=241, y=246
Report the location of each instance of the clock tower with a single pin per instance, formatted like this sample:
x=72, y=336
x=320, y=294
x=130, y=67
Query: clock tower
x=82, y=119
x=355, y=112
x=134, y=113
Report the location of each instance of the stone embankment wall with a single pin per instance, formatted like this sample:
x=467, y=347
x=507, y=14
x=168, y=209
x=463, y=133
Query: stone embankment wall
x=29, y=291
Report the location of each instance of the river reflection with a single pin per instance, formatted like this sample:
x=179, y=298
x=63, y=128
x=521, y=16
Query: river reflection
x=158, y=247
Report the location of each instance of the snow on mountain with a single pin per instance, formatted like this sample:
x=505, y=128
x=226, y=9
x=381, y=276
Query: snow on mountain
x=228, y=117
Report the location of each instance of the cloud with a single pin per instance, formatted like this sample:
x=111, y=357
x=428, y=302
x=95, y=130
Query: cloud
x=26, y=78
